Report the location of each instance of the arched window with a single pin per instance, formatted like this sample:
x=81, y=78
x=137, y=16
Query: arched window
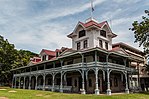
x=82, y=33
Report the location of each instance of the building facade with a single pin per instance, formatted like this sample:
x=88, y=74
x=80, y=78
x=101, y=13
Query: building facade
x=92, y=65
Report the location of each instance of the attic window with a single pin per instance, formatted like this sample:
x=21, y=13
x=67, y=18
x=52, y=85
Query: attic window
x=103, y=33
x=43, y=57
x=82, y=33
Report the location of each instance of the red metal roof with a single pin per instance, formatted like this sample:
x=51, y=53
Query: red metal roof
x=49, y=52
x=91, y=23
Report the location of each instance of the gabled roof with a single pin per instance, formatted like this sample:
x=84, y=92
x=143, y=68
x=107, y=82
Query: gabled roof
x=119, y=50
x=127, y=47
x=67, y=51
x=48, y=52
x=91, y=23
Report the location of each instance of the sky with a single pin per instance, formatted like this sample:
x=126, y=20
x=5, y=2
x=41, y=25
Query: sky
x=44, y=24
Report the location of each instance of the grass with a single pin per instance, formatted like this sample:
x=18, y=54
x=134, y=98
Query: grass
x=9, y=93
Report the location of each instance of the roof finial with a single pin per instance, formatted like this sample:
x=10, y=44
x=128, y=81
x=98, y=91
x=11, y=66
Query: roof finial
x=92, y=9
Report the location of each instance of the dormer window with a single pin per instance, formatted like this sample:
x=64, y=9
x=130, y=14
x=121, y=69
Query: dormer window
x=43, y=57
x=103, y=33
x=82, y=33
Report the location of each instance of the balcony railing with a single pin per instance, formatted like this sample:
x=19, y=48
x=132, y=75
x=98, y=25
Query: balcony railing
x=80, y=65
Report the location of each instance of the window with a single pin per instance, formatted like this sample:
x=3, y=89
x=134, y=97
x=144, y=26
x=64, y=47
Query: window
x=82, y=33
x=57, y=53
x=106, y=45
x=115, y=82
x=103, y=33
x=90, y=83
x=43, y=57
x=78, y=46
x=100, y=44
x=85, y=44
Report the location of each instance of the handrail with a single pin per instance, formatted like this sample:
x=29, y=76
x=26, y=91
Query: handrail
x=78, y=65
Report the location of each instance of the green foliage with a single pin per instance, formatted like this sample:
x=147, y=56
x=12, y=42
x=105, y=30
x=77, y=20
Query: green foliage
x=141, y=30
x=24, y=57
x=11, y=58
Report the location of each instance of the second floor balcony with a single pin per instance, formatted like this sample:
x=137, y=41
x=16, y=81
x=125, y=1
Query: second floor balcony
x=78, y=66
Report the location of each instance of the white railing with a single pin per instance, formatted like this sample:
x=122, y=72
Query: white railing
x=78, y=65
x=72, y=65
x=116, y=65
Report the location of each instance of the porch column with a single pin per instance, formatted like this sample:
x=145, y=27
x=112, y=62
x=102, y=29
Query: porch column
x=61, y=85
x=96, y=75
x=29, y=87
x=126, y=89
x=108, y=82
x=82, y=74
x=36, y=83
x=65, y=79
x=83, y=84
x=96, y=82
x=19, y=82
x=53, y=78
x=24, y=83
x=44, y=82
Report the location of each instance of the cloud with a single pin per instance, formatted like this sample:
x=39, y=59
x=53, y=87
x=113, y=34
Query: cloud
x=65, y=11
x=127, y=2
x=37, y=24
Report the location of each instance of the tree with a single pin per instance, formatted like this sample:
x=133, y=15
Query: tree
x=11, y=58
x=141, y=31
x=24, y=57
x=7, y=58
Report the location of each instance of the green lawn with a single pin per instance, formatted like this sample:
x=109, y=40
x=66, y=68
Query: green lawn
x=8, y=93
